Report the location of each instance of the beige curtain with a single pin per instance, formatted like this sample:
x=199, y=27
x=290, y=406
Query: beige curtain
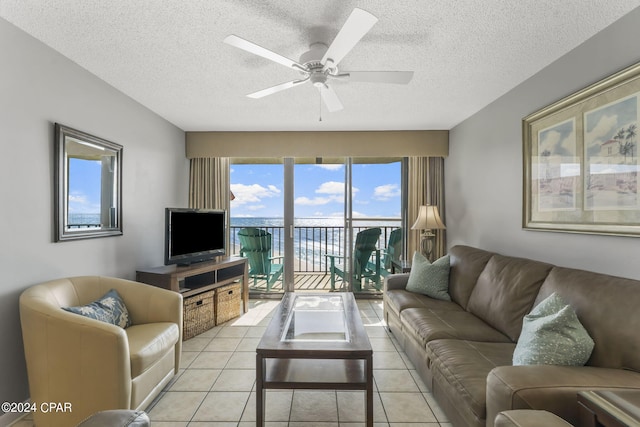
x=209, y=183
x=425, y=187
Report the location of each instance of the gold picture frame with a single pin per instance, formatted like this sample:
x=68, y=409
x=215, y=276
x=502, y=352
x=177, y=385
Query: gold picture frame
x=581, y=163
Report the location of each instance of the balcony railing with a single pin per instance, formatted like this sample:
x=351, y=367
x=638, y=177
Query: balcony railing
x=312, y=243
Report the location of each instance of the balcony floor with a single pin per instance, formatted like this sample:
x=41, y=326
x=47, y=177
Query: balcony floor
x=305, y=282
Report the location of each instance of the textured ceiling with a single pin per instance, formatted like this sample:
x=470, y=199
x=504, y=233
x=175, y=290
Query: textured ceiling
x=169, y=55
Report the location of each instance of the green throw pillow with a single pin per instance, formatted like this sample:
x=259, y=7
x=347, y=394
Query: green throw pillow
x=429, y=279
x=110, y=309
x=553, y=335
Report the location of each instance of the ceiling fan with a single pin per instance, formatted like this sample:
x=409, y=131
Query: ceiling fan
x=319, y=65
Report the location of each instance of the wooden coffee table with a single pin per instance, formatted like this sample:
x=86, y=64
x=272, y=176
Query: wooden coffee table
x=315, y=341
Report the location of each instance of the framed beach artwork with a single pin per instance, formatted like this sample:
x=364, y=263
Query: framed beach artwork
x=581, y=160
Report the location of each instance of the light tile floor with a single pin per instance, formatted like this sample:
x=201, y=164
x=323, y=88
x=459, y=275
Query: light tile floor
x=216, y=388
x=216, y=384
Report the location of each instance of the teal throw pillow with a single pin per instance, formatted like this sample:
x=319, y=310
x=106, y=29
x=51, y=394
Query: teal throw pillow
x=110, y=309
x=553, y=335
x=430, y=279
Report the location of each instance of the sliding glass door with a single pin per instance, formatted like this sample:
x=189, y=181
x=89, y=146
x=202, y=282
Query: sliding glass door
x=257, y=222
x=319, y=222
x=330, y=220
x=373, y=219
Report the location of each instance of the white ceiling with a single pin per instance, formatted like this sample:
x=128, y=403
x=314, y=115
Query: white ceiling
x=169, y=56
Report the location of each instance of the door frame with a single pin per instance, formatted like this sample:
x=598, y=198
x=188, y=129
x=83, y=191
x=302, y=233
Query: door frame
x=288, y=280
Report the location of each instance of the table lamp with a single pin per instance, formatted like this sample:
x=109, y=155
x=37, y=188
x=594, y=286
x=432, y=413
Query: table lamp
x=428, y=219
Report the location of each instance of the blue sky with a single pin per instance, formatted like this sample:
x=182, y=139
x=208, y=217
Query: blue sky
x=84, y=186
x=319, y=190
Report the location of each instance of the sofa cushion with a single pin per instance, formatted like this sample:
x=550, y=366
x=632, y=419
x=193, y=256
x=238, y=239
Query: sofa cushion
x=460, y=371
x=430, y=279
x=148, y=343
x=109, y=308
x=399, y=300
x=607, y=307
x=505, y=292
x=552, y=335
x=466, y=265
x=426, y=325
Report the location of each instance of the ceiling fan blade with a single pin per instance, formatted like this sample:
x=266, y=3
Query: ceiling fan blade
x=330, y=99
x=251, y=47
x=393, y=77
x=358, y=24
x=277, y=88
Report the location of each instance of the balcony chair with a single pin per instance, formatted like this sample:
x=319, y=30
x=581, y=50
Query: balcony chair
x=363, y=268
x=255, y=245
x=93, y=365
x=391, y=253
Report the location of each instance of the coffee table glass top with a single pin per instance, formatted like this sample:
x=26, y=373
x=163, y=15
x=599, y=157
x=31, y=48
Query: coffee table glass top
x=316, y=318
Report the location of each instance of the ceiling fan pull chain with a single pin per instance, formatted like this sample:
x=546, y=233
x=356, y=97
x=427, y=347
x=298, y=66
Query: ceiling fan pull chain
x=320, y=105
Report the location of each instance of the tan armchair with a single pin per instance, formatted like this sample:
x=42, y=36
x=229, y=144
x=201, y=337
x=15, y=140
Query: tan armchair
x=93, y=365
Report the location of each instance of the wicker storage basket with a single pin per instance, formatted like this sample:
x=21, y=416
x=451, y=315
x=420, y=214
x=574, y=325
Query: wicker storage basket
x=227, y=302
x=199, y=314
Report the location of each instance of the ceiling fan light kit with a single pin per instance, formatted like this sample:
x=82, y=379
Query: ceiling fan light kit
x=320, y=63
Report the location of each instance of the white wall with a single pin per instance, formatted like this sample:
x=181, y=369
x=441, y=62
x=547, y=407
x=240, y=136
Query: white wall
x=39, y=87
x=483, y=173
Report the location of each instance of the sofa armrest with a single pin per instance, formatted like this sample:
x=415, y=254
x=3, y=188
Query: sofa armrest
x=150, y=304
x=552, y=388
x=529, y=418
x=396, y=281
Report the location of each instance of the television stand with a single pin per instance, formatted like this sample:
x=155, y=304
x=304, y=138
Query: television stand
x=194, y=279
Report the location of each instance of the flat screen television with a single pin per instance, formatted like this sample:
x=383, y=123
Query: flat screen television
x=194, y=235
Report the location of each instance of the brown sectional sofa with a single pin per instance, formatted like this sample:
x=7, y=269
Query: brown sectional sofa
x=463, y=348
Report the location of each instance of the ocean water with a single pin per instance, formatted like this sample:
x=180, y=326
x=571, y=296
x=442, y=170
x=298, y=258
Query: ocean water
x=310, y=222
x=84, y=218
x=313, y=237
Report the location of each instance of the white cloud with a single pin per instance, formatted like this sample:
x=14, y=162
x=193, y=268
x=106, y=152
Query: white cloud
x=330, y=167
x=253, y=193
x=386, y=192
x=334, y=187
x=80, y=203
x=603, y=130
x=316, y=201
x=77, y=198
x=331, y=187
x=548, y=143
x=554, y=143
x=333, y=192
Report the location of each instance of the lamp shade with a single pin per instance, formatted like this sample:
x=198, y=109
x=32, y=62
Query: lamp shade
x=428, y=219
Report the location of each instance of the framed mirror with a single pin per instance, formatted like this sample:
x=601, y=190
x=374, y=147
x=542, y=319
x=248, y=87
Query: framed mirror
x=88, y=185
